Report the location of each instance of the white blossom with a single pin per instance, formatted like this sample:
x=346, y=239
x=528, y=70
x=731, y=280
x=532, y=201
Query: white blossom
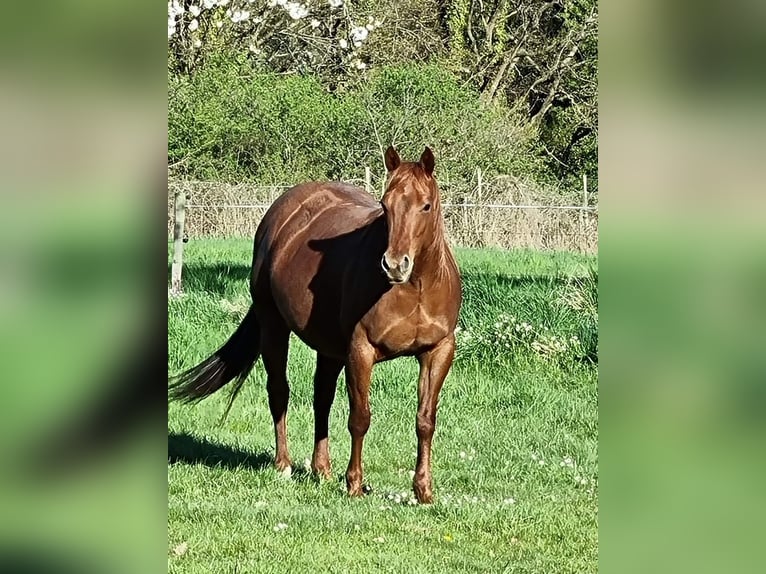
x=343, y=44
x=197, y=43
x=240, y=16
x=359, y=34
x=296, y=10
x=195, y=10
x=209, y=3
x=335, y=3
x=193, y=25
x=315, y=23
x=175, y=9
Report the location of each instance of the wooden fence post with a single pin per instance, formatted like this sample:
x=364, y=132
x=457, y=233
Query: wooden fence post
x=480, y=208
x=179, y=217
x=368, y=180
x=584, y=205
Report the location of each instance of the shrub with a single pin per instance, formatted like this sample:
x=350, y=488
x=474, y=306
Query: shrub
x=229, y=123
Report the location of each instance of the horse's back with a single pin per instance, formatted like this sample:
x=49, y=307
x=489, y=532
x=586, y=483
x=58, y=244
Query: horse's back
x=306, y=245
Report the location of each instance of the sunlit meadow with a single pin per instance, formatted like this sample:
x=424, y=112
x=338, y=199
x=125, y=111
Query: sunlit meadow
x=515, y=451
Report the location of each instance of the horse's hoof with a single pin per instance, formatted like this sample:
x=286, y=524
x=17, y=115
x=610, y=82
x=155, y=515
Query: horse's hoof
x=322, y=472
x=424, y=494
x=359, y=490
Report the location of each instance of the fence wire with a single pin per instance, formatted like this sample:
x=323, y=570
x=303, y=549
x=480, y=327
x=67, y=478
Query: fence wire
x=506, y=217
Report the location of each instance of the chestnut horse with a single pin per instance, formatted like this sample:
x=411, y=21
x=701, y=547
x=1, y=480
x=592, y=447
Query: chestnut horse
x=360, y=282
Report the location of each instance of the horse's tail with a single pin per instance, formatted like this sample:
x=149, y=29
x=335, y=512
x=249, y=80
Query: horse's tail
x=233, y=361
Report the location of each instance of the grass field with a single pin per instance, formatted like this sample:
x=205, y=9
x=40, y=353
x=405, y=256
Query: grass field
x=515, y=451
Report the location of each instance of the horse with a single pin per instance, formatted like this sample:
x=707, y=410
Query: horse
x=360, y=281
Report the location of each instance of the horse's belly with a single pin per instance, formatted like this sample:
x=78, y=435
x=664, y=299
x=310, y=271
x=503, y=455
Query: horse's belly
x=309, y=308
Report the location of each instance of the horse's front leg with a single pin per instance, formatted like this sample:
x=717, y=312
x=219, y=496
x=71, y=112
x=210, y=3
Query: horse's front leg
x=434, y=366
x=359, y=365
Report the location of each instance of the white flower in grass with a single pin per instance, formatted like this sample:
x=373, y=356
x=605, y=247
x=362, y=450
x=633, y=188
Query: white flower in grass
x=282, y=2
x=193, y=25
x=509, y=500
x=197, y=43
x=379, y=539
x=219, y=24
x=195, y=10
x=271, y=3
x=462, y=454
x=279, y=527
x=209, y=3
x=343, y=44
x=335, y=3
x=223, y=2
x=370, y=27
x=315, y=23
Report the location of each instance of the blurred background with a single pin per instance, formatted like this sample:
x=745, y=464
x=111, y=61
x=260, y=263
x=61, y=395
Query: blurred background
x=84, y=115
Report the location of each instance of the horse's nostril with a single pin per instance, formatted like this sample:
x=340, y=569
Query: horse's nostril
x=405, y=263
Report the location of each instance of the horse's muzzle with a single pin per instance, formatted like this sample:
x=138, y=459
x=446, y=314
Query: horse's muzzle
x=397, y=271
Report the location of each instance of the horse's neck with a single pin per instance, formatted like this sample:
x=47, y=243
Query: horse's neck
x=438, y=261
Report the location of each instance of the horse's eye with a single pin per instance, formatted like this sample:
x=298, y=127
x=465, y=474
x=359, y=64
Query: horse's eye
x=427, y=207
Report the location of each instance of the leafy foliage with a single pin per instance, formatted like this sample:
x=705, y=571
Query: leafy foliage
x=225, y=124
x=282, y=90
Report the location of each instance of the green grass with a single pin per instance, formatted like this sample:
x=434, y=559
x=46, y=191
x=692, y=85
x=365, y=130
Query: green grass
x=503, y=405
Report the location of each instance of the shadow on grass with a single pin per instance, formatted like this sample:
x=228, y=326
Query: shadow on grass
x=219, y=278
x=187, y=449
x=510, y=281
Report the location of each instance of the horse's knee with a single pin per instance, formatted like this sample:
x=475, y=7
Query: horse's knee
x=425, y=425
x=359, y=422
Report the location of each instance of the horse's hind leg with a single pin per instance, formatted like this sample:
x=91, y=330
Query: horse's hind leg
x=275, y=337
x=325, y=382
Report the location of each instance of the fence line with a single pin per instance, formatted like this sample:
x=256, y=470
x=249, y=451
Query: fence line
x=445, y=205
x=508, y=213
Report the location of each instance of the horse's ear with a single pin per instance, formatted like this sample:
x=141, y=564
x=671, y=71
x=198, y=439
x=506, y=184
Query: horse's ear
x=427, y=161
x=392, y=159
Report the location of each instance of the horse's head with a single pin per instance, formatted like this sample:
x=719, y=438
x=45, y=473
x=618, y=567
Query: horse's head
x=412, y=211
